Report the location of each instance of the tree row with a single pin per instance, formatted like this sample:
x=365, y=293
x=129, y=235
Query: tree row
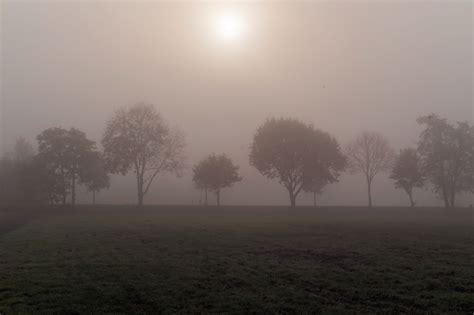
x=299, y=156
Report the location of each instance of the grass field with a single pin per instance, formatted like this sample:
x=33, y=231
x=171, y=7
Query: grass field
x=236, y=260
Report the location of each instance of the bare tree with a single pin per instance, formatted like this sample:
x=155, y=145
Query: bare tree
x=138, y=139
x=370, y=154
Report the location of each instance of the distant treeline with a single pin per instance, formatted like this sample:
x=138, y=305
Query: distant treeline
x=301, y=157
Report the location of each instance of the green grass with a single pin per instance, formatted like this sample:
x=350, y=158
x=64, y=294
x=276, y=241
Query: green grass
x=236, y=260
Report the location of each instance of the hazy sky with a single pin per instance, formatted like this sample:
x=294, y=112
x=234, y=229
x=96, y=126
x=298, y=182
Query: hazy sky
x=343, y=66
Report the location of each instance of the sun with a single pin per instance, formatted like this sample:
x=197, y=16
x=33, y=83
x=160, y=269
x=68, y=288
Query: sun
x=230, y=26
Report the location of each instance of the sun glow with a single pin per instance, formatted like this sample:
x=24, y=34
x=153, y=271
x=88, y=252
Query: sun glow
x=230, y=26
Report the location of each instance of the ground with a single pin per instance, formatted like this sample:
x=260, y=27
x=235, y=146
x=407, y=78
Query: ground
x=236, y=260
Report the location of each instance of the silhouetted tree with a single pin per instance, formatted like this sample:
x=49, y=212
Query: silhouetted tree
x=64, y=153
x=201, y=172
x=296, y=154
x=52, y=147
x=22, y=157
x=8, y=180
x=94, y=175
x=316, y=187
x=406, y=172
x=20, y=176
x=369, y=153
x=23, y=150
x=79, y=151
x=215, y=173
x=447, y=155
x=137, y=138
x=52, y=178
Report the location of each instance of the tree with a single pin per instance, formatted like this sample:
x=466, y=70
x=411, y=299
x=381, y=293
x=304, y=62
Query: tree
x=296, y=154
x=29, y=174
x=137, y=139
x=94, y=175
x=201, y=173
x=64, y=153
x=406, y=172
x=52, y=179
x=78, y=153
x=369, y=153
x=447, y=156
x=21, y=177
x=53, y=157
x=8, y=180
x=214, y=173
x=23, y=150
x=316, y=187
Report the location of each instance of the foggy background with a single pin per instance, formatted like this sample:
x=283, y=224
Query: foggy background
x=343, y=66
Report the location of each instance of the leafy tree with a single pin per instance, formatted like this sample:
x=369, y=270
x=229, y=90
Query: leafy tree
x=95, y=175
x=8, y=180
x=201, y=172
x=48, y=184
x=79, y=151
x=296, y=154
x=316, y=187
x=23, y=150
x=407, y=172
x=22, y=157
x=53, y=179
x=137, y=139
x=64, y=153
x=52, y=147
x=21, y=178
x=447, y=155
x=215, y=173
x=369, y=153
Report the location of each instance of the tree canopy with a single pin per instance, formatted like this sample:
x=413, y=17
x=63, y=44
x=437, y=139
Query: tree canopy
x=214, y=173
x=407, y=173
x=64, y=153
x=95, y=175
x=136, y=138
x=447, y=156
x=296, y=154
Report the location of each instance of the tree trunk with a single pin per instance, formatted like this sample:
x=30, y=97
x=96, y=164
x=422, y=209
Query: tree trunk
x=452, y=198
x=369, y=191
x=205, y=196
x=412, y=203
x=140, y=198
x=292, y=199
x=314, y=199
x=445, y=198
x=73, y=189
x=140, y=191
x=93, y=197
x=218, y=196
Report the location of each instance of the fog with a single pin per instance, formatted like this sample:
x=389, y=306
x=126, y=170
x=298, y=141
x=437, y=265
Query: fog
x=343, y=66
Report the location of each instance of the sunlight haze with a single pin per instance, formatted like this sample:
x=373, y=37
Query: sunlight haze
x=217, y=72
